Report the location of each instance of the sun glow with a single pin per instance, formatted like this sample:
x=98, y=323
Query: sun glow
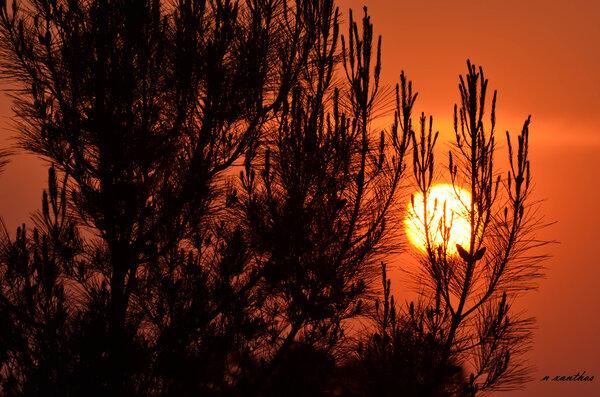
x=447, y=214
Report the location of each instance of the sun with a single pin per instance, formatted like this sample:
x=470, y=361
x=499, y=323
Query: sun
x=455, y=222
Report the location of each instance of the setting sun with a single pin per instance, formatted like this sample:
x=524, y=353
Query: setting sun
x=452, y=219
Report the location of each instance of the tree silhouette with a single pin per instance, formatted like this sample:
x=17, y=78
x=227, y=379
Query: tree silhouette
x=142, y=107
x=316, y=195
x=153, y=270
x=460, y=338
x=402, y=355
x=38, y=327
x=473, y=287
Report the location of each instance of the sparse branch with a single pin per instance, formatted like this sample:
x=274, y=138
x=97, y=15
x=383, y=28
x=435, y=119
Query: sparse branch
x=477, y=281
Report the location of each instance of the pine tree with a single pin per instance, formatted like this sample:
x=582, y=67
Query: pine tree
x=152, y=269
x=317, y=197
x=141, y=107
x=469, y=290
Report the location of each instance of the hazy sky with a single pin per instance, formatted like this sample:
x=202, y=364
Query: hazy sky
x=543, y=58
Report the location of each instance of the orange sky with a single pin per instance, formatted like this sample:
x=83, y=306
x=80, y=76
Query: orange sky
x=542, y=56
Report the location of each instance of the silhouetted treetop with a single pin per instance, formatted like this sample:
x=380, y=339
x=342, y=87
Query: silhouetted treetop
x=219, y=205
